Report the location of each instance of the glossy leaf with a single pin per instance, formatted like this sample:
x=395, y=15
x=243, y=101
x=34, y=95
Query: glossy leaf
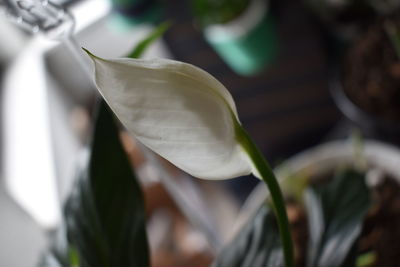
x=178, y=110
x=257, y=245
x=105, y=214
x=335, y=215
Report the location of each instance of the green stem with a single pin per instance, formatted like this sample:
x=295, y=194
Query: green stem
x=270, y=180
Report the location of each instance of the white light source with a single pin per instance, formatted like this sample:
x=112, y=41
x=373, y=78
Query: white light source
x=29, y=168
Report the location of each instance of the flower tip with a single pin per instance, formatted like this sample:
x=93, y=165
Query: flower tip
x=90, y=53
x=87, y=51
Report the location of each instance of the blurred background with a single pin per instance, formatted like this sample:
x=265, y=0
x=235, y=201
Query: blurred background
x=296, y=70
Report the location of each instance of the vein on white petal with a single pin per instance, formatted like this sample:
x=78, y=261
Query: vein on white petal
x=143, y=125
x=180, y=141
x=180, y=68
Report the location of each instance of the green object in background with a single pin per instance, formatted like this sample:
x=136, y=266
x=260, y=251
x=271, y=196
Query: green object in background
x=153, y=36
x=367, y=259
x=248, y=44
x=336, y=211
x=133, y=12
x=209, y=12
x=252, y=52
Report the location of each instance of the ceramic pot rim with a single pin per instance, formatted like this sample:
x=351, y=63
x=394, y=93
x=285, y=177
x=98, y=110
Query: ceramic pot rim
x=319, y=160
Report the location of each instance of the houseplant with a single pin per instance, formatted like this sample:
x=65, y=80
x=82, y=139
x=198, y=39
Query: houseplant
x=342, y=19
x=350, y=197
x=189, y=118
x=186, y=116
x=366, y=89
x=347, y=198
x=105, y=229
x=242, y=32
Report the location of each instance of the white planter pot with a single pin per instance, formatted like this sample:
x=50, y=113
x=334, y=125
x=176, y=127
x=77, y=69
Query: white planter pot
x=320, y=160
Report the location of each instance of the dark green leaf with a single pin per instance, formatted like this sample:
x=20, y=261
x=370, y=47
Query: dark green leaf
x=144, y=44
x=257, y=244
x=105, y=214
x=335, y=215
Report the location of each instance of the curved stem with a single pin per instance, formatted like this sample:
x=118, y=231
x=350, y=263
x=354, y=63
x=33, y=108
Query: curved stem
x=270, y=180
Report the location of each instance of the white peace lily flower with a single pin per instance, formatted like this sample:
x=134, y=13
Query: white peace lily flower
x=179, y=111
x=185, y=115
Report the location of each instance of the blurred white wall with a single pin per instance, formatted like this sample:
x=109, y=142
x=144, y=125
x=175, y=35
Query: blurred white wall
x=12, y=40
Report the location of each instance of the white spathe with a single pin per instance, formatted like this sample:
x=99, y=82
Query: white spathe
x=178, y=110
